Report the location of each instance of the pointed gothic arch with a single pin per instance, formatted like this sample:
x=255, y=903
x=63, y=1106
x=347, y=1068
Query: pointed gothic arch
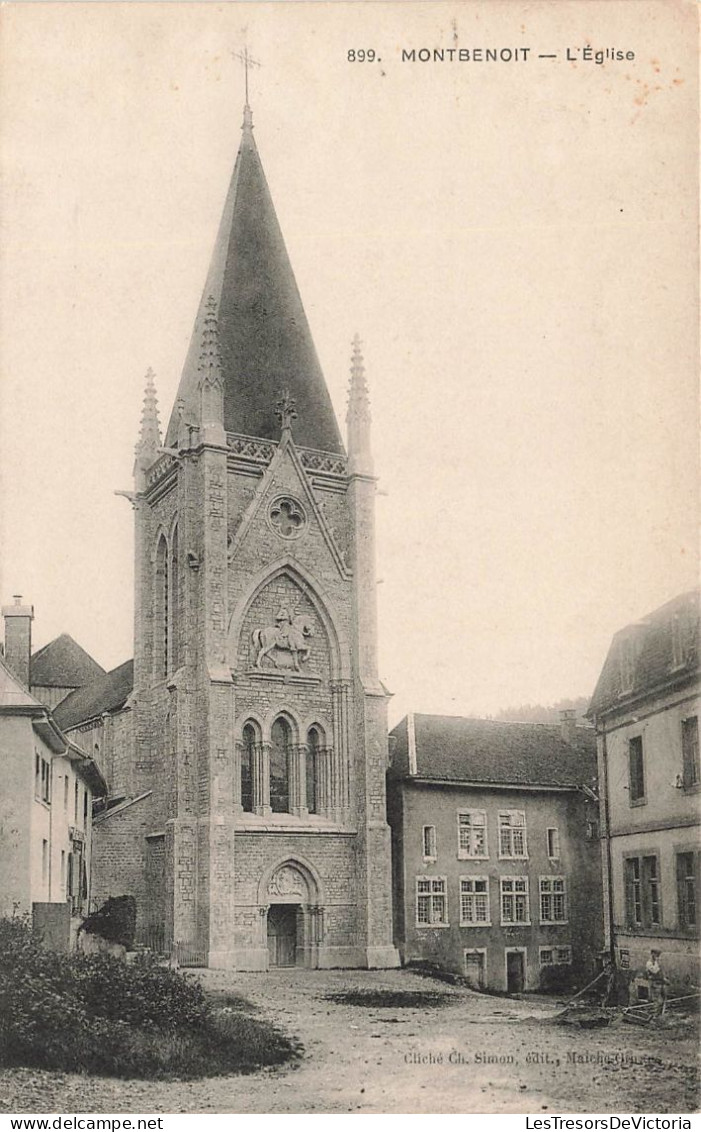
x=315, y=892
x=175, y=621
x=339, y=646
x=250, y=752
x=161, y=619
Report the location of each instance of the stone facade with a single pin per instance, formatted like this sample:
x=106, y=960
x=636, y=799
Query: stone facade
x=497, y=869
x=253, y=747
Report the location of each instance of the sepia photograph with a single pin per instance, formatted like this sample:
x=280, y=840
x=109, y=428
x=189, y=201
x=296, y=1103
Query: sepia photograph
x=349, y=559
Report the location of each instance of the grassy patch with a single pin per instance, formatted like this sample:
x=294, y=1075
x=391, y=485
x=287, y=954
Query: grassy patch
x=95, y=1014
x=389, y=998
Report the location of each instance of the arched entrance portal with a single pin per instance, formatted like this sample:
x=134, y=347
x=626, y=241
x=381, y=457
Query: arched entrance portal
x=294, y=920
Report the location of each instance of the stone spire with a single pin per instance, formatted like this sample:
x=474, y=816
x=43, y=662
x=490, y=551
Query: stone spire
x=358, y=416
x=264, y=338
x=149, y=440
x=211, y=386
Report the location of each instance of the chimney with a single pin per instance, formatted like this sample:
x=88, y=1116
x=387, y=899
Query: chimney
x=18, y=637
x=568, y=725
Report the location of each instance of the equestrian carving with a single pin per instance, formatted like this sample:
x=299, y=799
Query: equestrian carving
x=287, y=636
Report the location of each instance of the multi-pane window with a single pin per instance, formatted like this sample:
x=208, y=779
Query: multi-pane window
x=65, y=793
x=428, y=842
x=553, y=840
x=553, y=900
x=472, y=834
x=512, y=833
x=642, y=877
x=431, y=901
x=514, y=900
x=555, y=956
x=686, y=889
x=42, y=778
x=651, y=890
x=636, y=769
x=474, y=900
x=690, y=751
x=634, y=895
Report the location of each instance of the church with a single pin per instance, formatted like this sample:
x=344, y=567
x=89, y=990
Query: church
x=246, y=748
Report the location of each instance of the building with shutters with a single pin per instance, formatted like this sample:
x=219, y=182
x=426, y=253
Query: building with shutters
x=646, y=709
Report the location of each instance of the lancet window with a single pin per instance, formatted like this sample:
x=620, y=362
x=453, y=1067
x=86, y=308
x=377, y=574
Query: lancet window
x=248, y=755
x=162, y=611
x=280, y=759
x=175, y=620
x=314, y=748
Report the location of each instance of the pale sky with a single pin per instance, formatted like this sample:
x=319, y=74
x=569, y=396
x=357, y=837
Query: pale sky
x=515, y=243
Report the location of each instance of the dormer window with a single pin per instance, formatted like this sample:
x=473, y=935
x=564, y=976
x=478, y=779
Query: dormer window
x=627, y=663
x=677, y=642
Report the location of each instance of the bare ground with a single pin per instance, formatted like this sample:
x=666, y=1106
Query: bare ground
x=471, y=1054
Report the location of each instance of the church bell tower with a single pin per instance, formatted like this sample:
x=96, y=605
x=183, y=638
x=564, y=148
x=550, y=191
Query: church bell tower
x=260, y=731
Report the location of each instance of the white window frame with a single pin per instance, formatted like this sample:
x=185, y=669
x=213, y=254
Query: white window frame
x=468, y=854
x=553, y=949
x=554, y=829
x=550, y=893
x=511, y=825
x=525, y=893
x=429, y=856
x=475, y=923
x=442, y=893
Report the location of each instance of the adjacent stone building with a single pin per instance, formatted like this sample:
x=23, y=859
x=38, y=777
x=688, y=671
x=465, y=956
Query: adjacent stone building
x=646, y=711
x=246, y=751
x=496, y=864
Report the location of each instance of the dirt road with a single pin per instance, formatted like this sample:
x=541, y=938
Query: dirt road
x=470, y=1054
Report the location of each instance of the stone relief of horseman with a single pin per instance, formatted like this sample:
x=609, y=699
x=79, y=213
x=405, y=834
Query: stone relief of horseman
x=289, y=636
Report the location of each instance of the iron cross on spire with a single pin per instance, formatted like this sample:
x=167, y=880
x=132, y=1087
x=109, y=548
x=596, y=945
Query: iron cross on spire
x=248, y=61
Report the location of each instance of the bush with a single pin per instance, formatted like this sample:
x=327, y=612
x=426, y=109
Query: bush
x=115, y=921
x=96, y=1014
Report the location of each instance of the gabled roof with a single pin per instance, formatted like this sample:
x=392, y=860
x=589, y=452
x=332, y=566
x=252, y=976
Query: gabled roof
x=13, y=694
x=107, y=693
x=659, y=650
x=15, y=700
x=263, y=336
x=63, y=664
x=455, y=749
